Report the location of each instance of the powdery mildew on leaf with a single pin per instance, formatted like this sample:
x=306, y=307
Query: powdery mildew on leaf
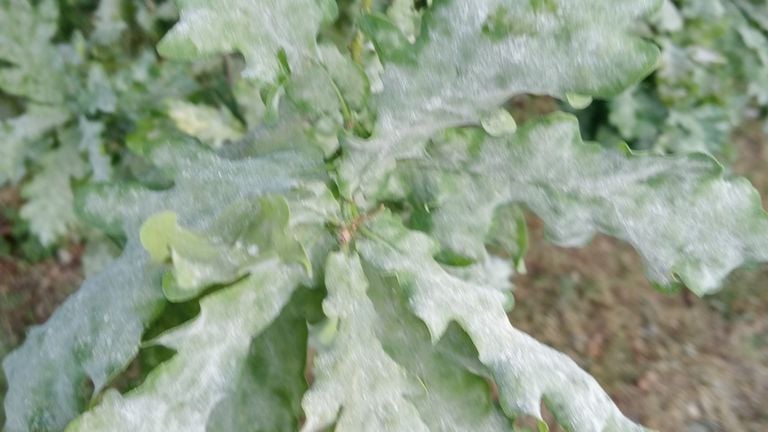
x=472, y=56
x=49, y=198
x=681, y=214
x=36, y=66
x=384, y=352
x=93, y=335
x=525, y=371
x=258, y=29
x=357, y=364
x=210, y=353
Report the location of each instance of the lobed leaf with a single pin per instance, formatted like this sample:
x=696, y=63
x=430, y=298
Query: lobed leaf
x=36, y=66
x=472, y=56
x=381, y=350
x=49, y=206
x=269, y=391
x=686, y=220
x=124, y=298
x=90, y=338
x=17, y=135
x=261, y=30
x=525, y=371
x=211, y=352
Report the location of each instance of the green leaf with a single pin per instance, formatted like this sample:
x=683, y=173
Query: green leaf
x=525, y=371
x=245, y=240
x=382, y=351
x=262, y=31
x=509, y=233
x=49, y=206
x=211, y=356
x=456, y=72
x=211, y=126
x=686, y=220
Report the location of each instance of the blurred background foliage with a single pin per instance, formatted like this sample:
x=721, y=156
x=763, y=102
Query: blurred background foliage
x=83, y=93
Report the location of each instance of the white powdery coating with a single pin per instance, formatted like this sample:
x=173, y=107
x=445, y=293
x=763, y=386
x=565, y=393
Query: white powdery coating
x=181, y=393
x=91, y=336
x=463, y=74
x=356, y=376
x=680, y=214
x=525, y=371
x=258, y=29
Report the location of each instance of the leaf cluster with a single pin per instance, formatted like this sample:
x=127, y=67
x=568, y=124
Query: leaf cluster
x=352, y=199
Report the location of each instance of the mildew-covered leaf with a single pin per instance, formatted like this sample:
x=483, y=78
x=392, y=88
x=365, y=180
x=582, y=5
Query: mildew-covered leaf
x=267, y=397
x=263, y=31
x=76, y=344
x=49, y=206
x=211, y=354
x=19, y=133
x=36, y=66
x=90, y=338
x=687, y=221
x=381, y=350
x=472, y=56
x=238, y=241
x=525, y=371
x=357, y=364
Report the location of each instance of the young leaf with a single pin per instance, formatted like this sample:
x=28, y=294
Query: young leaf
x=472, y=56
x=211, y=126
x=525, y=371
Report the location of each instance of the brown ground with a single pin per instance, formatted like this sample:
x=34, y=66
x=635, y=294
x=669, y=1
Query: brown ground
x=672, y=362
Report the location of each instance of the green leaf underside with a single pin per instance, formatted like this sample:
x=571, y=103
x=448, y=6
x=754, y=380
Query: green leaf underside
x=383, y=352
x=457, y=73
x=211, y=353
x=259, y=30
x=684, y=218
x=79, y=344
x=525, y=371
